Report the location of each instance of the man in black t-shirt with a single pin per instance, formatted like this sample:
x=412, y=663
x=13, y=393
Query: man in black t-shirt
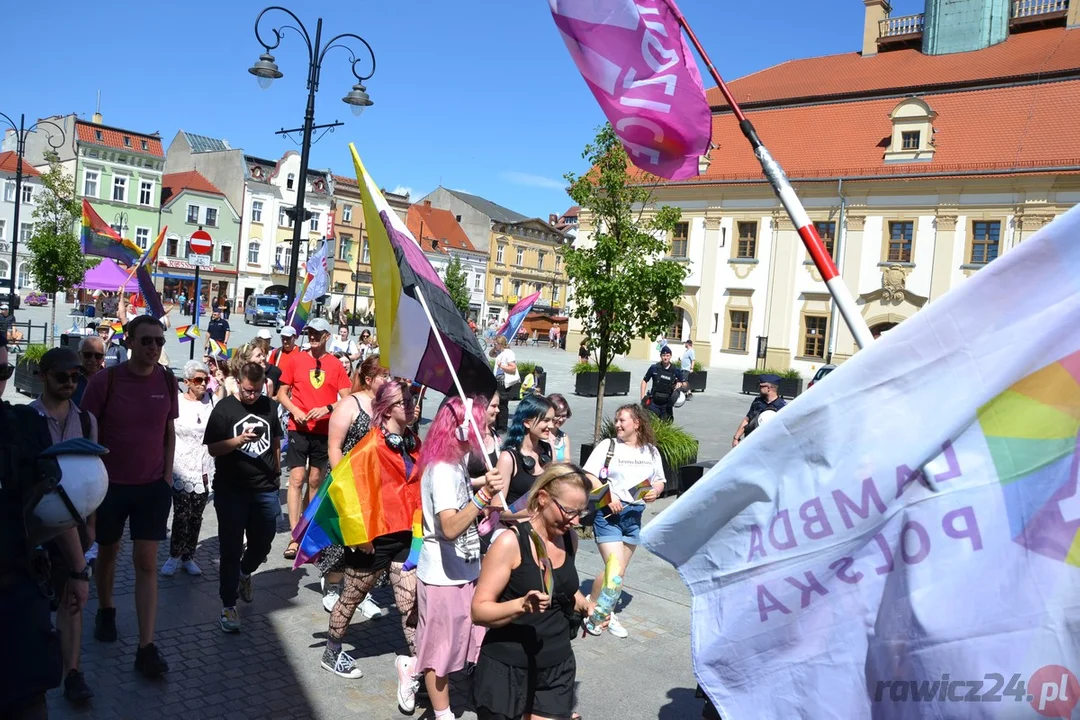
x=244, y=438
x=769, y=399
x=217, y=329
x=667, y=381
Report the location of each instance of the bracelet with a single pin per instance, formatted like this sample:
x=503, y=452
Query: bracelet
x=484, y=495
x=479, y=502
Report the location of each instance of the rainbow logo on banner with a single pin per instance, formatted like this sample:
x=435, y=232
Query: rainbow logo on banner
x=1032, y=432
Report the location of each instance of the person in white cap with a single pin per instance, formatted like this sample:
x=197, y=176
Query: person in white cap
x=280, y=357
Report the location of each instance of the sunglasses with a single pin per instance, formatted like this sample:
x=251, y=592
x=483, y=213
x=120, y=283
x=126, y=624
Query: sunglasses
x=568, y=514
x=197, y=381
x=318, y=367
x=148, y=341
x=6, y=371
x=65, y=377
x=410, y=403
x=93, y=355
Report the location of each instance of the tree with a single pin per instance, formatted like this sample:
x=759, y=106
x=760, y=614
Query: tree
x=57, y=262
x=621, y=286
x=457, y=285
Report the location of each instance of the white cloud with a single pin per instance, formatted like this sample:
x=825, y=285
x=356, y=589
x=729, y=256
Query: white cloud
x=520, y=178
x=402, y=190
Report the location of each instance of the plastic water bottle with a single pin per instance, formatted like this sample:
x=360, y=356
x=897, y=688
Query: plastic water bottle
x=609, y=597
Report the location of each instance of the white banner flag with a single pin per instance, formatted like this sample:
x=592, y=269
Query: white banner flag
x=830, y=579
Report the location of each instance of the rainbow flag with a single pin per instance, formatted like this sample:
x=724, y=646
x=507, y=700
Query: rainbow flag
x=97, y=238
x=187, y=333
x=220, y=349
x=117, y=330
x=417, y=542
x=354, y=507
x=150, y=256
x=149, y=293
x=512, y=324
x=400, y=274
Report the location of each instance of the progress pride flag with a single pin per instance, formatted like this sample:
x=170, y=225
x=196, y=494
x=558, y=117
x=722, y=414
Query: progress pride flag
x=637, y=64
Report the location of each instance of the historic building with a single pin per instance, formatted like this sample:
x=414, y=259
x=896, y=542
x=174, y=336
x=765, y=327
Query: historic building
x=918, y=163
x=31, y=187
x=351, y=277
x=442, y=238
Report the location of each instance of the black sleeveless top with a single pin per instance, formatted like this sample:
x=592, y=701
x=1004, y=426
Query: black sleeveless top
x=475, y=465
x=522, y=480
x=535, y=640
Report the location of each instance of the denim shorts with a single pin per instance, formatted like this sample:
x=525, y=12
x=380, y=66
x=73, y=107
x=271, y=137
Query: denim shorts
x=619, y=527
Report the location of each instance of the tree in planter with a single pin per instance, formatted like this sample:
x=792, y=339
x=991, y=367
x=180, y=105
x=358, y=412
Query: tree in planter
x=621, y=286
x=457, y=285
x=57, y=262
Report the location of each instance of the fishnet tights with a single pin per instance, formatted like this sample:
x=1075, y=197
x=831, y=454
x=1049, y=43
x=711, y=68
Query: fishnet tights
x=357, y=585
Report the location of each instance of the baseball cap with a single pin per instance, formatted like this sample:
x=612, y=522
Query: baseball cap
x=288, y=331
x=59, y=358
x=264, y=333
x=318, y=324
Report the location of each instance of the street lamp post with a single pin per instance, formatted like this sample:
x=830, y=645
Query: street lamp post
x=120, y=223
x=21, y=132
x=266, y=70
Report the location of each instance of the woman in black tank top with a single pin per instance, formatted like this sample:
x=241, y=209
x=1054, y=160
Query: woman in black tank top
x=527, y=596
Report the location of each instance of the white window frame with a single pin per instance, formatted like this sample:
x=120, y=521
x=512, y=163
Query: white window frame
x=346, y=213
x=9, y=191
x=365, y=256
x=26, y=231
x=3, y=232
x=499, y=254
x=187, y=214
x=313, y=223
x=283, y=218
x=146, y=236
x=520, y=257
x=206, y=216
x=28, y=194
x=496, y=288
x=290, y=181
x=119, y=181
x=221, y=253
x=97, y=182
x=478, y=282
x=172, y=239
x=256, y=211
x=147, y=187
x=254, y=247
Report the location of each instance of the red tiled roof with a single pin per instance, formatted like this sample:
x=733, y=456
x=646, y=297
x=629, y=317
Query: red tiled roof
x=1017, y=129
x=114, y=138
x=173, y=183
x=1039, y=53
x=9, y=162
x=345, y=180
x=437, y=224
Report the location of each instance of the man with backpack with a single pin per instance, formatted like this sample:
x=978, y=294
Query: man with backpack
x=135, y=404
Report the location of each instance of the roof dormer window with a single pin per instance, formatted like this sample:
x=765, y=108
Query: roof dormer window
x=98, y=136
x=127, y=141
x=912, y=138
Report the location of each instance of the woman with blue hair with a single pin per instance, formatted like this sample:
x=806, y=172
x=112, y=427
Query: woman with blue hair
x=526, y=452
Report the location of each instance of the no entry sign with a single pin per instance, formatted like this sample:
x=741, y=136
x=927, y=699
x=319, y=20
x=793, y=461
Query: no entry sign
x=201, y=243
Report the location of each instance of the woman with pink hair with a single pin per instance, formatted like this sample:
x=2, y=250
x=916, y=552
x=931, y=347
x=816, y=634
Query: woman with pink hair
x=450, y=557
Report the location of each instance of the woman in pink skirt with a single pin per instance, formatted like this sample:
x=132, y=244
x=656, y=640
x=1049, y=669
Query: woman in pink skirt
x=449, y=563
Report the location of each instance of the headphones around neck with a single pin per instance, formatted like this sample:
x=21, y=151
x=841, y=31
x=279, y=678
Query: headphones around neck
x=400, y=443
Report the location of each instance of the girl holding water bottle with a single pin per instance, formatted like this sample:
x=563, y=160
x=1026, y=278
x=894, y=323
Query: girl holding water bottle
x=529, y=599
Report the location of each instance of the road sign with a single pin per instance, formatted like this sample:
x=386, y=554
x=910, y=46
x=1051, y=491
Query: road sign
x=198, y=260
x=201, y=243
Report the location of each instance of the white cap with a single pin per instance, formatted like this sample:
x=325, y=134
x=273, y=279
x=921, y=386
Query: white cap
x=288, y=331
x=318, y=325
x=264, y=333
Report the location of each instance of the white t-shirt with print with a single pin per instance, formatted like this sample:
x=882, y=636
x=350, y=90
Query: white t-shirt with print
x=446, y=486
x=505, y=358
x=628, y=466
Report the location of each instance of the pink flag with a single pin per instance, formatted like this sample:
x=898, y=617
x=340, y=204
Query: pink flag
x=633, y=56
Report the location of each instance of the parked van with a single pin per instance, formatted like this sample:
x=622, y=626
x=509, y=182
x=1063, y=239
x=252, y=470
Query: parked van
x=262, y=309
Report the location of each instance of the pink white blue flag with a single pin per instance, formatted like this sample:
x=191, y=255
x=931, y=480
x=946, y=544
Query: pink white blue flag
x=634, y=59
x=510, y=327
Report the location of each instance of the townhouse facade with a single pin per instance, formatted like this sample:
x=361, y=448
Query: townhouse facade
x=442, y=239
x=31, y=188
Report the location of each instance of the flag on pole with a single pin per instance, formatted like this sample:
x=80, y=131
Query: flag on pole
x=97, y=238
x=219, y=349
x=407, y=341
x=910, y=528
x=187, y=333
x=638, y=66
x=315, y=284
x=509, y=328
x=150, y=256
x=149, y=293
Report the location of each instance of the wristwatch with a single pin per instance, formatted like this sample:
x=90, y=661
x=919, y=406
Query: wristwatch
x=84, y=575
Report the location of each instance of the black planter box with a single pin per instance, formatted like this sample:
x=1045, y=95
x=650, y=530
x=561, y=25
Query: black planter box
x=697, y=380
x=587, y=384
x=28, y=379
x=789, y=387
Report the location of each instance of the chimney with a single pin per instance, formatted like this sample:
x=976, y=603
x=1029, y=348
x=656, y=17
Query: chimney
x=96, y=119
x=553, y=219
x=427, y=203
x=876, y=11
x=1072, y=20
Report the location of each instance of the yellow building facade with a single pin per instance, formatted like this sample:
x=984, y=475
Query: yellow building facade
x=524, y=258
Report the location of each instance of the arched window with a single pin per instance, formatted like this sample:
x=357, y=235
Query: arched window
x=23, y=280
x=5, y=269
x=253, y=252
x=680, y=329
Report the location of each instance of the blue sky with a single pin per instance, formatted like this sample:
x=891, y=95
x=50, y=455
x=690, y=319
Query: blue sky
x=479, y=95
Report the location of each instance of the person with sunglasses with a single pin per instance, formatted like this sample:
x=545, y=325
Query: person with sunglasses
x=529, y=599
x=526, y=452
x=311, y=384
x=92, y=356
x=193, y=470
x=450, y=556
x=136, y=405
x=386, y=475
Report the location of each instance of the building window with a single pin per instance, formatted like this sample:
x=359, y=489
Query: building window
x=3, y=234
x=90, y=183
x=499, y=254
x=9, y=191
x=26, y=231
x=827, y=232
x=520, y=258
x=747, y=246
x=900, y=235
x=909, y=140
x=98, y=136
x=256, y=211
x=145, y=146
x=142, y=237
x=283, y=219
x=193, y=214
x=498, y=287
x=343, y=248
x=27, y=194
x=119, y=188
x=226, y=254
x=211, y=217
x=517, y=288
x=558, y=262
x=172, y=247
x=127, y=141
x=290, y=181
x=984, y=241
x=738, y=327
x=680, y=239
x=24, y=276
x=540, y=254
x=314, y=225
x=282, y=256
x=365, y=253
x=253, y=253
x=478, y=282
x=146, y=192
x=814, y=339
x=346, y=213
x=554, y=294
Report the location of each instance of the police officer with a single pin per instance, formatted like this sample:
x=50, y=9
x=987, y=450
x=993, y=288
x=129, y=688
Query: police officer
x=667, y=381
x=31, y=661
x=769, y=399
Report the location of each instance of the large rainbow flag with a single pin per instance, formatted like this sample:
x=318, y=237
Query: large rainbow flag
x=399, y=274
x=97, y=238
x=906, y=535
x=353, y=507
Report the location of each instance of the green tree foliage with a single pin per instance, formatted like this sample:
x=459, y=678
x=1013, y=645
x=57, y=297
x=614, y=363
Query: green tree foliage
x=622, y=288
x=457, y=285
x=56, y=261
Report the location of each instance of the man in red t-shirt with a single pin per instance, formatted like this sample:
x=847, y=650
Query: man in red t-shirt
x=311, y=382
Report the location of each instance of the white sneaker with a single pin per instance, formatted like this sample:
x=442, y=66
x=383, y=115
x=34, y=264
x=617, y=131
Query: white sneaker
x=330, y=597
x=407, y=684
x=615, y=627
x=370, y=609
x=170, y=567
x=191, y=568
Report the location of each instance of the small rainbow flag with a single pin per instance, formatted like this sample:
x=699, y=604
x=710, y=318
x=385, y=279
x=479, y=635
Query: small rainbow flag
x=117, y=329
x=220, y=349
x=187, y=333
x=417, y=542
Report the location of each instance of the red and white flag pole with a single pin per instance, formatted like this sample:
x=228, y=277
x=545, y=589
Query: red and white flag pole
x=795, y=210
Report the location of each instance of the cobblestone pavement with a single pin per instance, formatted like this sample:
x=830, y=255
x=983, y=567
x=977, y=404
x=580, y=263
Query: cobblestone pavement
x=271, y=669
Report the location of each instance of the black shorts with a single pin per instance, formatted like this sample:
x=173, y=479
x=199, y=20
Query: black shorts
x=502, y=692
x=388, y=549
x=307, y=449
x=146, y=506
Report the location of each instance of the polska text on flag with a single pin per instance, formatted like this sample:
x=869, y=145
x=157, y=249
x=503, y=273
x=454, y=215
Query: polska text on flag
x=830, y=581
x=634, y=59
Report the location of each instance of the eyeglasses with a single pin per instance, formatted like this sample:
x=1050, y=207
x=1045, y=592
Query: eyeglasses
x=6, y=371
x=252, y=392
x=410, y=403
x=148, y=341
x=197, y=381
x=568, y=514
x=92, y=355
x=65, y=377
